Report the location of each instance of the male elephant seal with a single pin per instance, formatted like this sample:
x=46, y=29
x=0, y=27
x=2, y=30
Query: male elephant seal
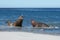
x=17, y=23
x=38, y=24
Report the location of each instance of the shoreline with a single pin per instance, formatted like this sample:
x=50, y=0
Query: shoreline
x=26, y=36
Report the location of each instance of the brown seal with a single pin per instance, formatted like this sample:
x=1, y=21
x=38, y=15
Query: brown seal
x=38, y=24
x=17, y=23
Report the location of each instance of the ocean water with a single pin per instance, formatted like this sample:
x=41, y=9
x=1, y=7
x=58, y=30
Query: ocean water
x=50, y=16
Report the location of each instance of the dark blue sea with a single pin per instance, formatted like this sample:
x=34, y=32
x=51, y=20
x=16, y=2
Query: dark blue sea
x=50, y=16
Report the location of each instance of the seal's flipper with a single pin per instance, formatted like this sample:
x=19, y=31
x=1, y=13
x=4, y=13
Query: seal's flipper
x=9, y=23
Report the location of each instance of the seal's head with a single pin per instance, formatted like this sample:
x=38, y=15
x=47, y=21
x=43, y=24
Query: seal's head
x=20, y=17
x=33, y=23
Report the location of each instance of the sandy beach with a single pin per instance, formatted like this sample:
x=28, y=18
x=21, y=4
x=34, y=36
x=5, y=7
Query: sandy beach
x=26, y=36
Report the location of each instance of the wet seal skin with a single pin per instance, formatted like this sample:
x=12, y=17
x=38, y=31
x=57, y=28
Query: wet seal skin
x=38, y=24
x=17, y=23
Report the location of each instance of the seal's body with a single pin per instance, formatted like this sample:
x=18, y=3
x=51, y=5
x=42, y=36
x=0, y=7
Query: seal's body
x=17, y=23
x=36, y=24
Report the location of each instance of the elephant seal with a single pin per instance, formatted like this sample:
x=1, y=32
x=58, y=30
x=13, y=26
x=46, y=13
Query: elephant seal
x=17, y=22
x=38, y=24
